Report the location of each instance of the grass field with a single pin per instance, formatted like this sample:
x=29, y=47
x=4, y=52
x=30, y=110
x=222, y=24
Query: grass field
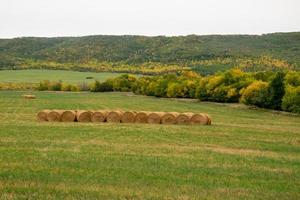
x=245, y=154
x=35, y=76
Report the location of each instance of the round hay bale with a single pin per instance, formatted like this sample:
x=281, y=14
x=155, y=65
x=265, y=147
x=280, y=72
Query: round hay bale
x=199, y=118
x=184, y=118
x=83, y=116
x=99, y=116
x=42, y=115
x=29, y=96
x=169, y=118
x=128, y=117
x=209, y=119
x=68, y=116
x=114, y=116
x=54, y=115
x=141, y=117
x=155, y=117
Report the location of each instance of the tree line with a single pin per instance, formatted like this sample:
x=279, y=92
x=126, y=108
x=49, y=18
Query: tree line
x=273, y=90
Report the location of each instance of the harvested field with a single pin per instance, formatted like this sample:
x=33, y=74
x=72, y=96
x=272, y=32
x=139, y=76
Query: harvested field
x=244, y=154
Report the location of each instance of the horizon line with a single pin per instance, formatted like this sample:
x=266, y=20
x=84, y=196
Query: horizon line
x=158, y=35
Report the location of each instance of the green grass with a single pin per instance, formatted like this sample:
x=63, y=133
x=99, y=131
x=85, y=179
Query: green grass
x=245, y=154
x=35, y=76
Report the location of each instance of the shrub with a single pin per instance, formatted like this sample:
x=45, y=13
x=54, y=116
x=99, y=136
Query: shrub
x=201, y=92
x=292, y=79
x=256, y=94
x=106, y=86
x=18, y=86
x=75, y=88
x=95, y=87
x=44, y=85
x=232, y=95
x=141, y=86
x=123, y=83
x=219, y=94
x=291, y=99
x=55, y=86
x=66, y=87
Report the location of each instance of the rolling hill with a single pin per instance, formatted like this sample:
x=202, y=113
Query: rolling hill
x=95, y=53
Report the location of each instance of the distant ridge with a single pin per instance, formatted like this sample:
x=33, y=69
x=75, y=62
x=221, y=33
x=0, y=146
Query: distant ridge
x=129, y=49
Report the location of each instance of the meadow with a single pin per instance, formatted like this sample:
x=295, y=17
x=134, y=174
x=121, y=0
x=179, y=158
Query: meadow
x=246, y=153
x=37, y=75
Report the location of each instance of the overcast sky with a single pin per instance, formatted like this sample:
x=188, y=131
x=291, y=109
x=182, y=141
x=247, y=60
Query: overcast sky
x=146, y=17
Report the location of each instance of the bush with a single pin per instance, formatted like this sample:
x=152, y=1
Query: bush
x=176, y=90
x=75, y=88
x=44, y=85
x=70, y=87
x=66, y=87
x=219, y=94
x=123, y=83
x=292, y=79
x=18, y=86
x=201, y=92
x=291, y=99
x=230, y=86
x=106, y=86
x=55, y=86
x=256, y=94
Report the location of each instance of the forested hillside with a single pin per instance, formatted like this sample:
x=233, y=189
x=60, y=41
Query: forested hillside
x=206, y=54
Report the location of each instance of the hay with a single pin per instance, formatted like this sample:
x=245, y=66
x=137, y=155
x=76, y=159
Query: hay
x=209, y=119
x=42, y=115
x=99, y=116
x=169, y=118
x=114, y=116
x=155, y=117
x=141, y=117
x=83, y=116
x=128, y=117
x=54, y=115
x=68, y=116
x=29, y=96
x=199, y=119
x=124, y=117
x=184, y=118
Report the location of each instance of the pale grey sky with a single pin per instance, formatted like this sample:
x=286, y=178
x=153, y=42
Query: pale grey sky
x=146, y=17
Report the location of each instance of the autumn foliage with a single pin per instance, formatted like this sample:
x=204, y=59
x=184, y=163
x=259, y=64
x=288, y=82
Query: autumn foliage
x=274, y=90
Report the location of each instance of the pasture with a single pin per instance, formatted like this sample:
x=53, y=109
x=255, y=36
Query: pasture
x=245, y=154
x=37, y=75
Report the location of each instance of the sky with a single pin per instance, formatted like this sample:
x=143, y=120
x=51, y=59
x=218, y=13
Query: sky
x=50, y=18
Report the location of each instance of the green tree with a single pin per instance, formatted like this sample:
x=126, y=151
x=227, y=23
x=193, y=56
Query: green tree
x=291, y=99
x=276, y=91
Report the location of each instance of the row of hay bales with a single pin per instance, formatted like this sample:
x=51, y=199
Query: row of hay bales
x=124, y=117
